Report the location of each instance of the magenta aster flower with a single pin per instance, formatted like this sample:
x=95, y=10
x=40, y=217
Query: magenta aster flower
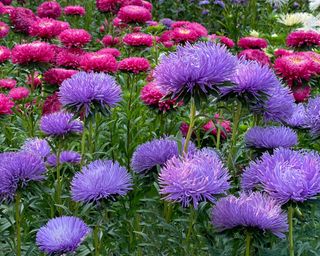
x=223, y=40
x=134, y=14
x=62, y=235
x=49, y=9
x=255, y=210
x=282, y=52
x=4, y=29
x=112, y=51
x=108, y=5
x=182, y=35
x=198, y=28
x=55, y=76
x=99, y=62
x=51, y=104
x=302, y=38
x=5, y=105
x=19, y=93
x=138, y=39
x=251, y=42
x=7, y=83
x=75, y=37
x=47, y=28
x=5, y=54
x=109, y=40
x=315, y=58
x=74, y=10
x=69, y=57
x=21, y=19
x=134, y=65
x=255, y=55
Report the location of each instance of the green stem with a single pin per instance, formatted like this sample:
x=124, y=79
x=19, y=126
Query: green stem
x=191, y=125
x=18, y=222
x=91, y=142
x=219, y=131
x=290, y=219
x=83, y=142
x=248, y=243
x=58, y=168
x=192, y=220
x=96, y=241
x=167, y=211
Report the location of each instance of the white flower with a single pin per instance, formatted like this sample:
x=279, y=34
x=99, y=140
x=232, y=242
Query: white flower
x=278, y=3
x=314, y=4
x=293, y=19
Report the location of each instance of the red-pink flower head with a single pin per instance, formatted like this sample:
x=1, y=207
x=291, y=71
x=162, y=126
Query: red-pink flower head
x=5, y=105
x=51, y=104
x=119, y=23
x=301, y=93
x=147, y=5
x=251, y=42
x=294, y=67
x=6, y=9
x=211, y=126
x=47, y=28
x=198, y=28
x=256, y=55
x=282, y=52
x=223, y=40
x=5, y=54
x=134, y=14
x=69, y=57
x=184, y=128
x=109, y=40
x=19, y=93
x=113, y=51
x=50, y=9
x=72, y=10
x=7, y=83
x=181, y=35
x=4, y=29
x=138, y=39
x=99, y=62
x=302, y=38
x=35, y=81
x=34, y=52
x=108, y=5
x=134, y=65
x=315, y=58
x=21, y=19
x=75, y=37
x=55, y=76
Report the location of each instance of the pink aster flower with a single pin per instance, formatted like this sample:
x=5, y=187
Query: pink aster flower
x=198, y=28
x=251, y=42
x=34, y=52
x=138, y=39
x=21, y=19
x=75, y=37
x=35, y=81
x=255, y=54
x=50, y=9
x=4, y=29
x=223, y=40
x=74, y=10
x=181, y=35
x=109, y=40
x=134, y=14
x=51, y=104
x=19, y=93
x=301, y=93
x=134, y=65
x=7, y=83
x=294, y=67
x=100, y=62
x=5, y=54
x=119, y=23
x=147, y=5
x=302, y=38
x=55, y=76
x=5, y=105
x=69, y=57
x=212, y=128
x=108, y=5
x=113, y=51
x=315, y=58
x=47, y=28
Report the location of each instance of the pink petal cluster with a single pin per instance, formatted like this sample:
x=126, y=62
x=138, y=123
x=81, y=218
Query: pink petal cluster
x=134, y=14
x=69, y=57
x=256, y=55
x=138, y=39
x=282, y=52
x=108, y=5
x=55, y=76
x=47, y=28
x=251, y=42
x=5, y=105
x=74, y=10
x=223, y=40
x=225, y=124
x=75, y=37
x=36, y=81
x=49, y=9
x=315, y=58
x=21, y=19
x=181, y=35
x=4, y=29
x=198, y=28
x=109, y=40
x=134, y=65
x=7, y=83
x=113, y=51
x=99, y=62
x=32, y=53
x=51, y=104
x=301, y=93
x=302, y=38
x=5, y=54
x=19, y=93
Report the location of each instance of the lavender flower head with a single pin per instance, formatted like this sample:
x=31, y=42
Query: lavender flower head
x=62, y=235
x=37, y=146
x=201, y=66
x=193, y=178
x=298, y=118
x=271, y=137
x=155, y=152
x=71, y=157
x=255, y=210
x=166, y=22
x=313, y=116
x=286, y=175
x=84, y=91
x=18, y=169
x=99, y=180
x=60, y=124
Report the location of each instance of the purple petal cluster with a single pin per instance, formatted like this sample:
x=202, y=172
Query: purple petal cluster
x=193, y=178
x=271, y=137
x=60, y=124
x=286, y=175
x=255, y=210
x=313, y=116
x=19, y=168
x=71, y=157
x=37, y=146
x=298, y=118
x=202, y=65
x=156, y=152
x=100, y=179
x=62, y=235
x=83, y=90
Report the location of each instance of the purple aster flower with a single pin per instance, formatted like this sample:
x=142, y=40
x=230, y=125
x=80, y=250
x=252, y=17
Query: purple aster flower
x=193, y=178
x=220, y=3
x=100, y=179
x=167, y=22
x=285, y=175
x=156, y=152
x=19, y=168
x=204, y=2
x=298, y=118
x=255, y=210
x=60, y=124
x=195, y=67
x=37, y=146
x=271, y=137
x=71, y=157
x=86, y=90
x=313, y=116
x=62, y=235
